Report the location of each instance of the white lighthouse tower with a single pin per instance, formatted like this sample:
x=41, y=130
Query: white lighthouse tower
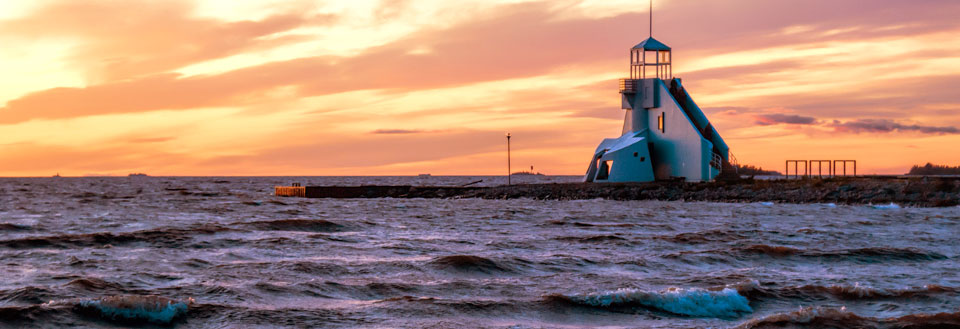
x=665, y=134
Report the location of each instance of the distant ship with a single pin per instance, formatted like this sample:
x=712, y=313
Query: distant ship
x=56, y=176
x=138, y=174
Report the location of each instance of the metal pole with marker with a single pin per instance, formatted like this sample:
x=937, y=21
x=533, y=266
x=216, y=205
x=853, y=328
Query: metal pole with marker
x=508, y=159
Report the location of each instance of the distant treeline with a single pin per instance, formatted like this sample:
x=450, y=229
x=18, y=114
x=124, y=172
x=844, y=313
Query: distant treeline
x=754, y=171
x=932, y=169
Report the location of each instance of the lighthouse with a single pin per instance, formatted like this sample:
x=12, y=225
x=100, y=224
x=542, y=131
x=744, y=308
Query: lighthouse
x=665, y=134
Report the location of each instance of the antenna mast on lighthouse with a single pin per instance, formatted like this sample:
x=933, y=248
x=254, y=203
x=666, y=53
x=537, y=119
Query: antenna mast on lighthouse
x=651, y=18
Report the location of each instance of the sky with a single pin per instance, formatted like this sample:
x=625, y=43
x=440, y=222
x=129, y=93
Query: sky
x=404, y=87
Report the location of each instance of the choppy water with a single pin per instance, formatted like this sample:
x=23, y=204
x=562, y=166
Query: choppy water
x=74, y=250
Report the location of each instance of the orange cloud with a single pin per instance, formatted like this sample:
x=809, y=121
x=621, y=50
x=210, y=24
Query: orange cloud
x=472, y=52
x=127, y=39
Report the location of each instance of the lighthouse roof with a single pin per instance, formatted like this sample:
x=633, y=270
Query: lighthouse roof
x=651, y=44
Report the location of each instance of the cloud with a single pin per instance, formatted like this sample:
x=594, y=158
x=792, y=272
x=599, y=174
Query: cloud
x=27, y=158
x=743, y=73
x=151, y=139
x=517, y=41
x=603, y=112
x=125, y=39
x=365, y=150
x=509, y=41
x=390, y=9
x=749, y=24
x=853, y=126
x=893, y=98
x=777, y=118
x=888, y=126
x=401, y=131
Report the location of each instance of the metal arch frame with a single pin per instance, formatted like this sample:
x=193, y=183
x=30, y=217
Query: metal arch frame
x=844, y=162
x=820, y=167
x=796, y=168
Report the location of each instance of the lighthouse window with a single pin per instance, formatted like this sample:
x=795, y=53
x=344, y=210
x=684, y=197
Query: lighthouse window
x=660, y=124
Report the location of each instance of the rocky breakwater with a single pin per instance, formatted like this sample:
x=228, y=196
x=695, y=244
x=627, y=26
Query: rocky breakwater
x=920, y=192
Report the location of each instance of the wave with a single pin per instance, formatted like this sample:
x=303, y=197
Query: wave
x=593, y=238
x=886, y=206
x=859, y=292
x=93, y=284
x=287, y=266
x=865, y=254
x=845, y=292
x=469, y=264
x=297, y=225
x=314, y=268
x=433, y=306
x=693, y=302
x=28, y=316
x=776, y=251
x=822, y=317
x=230, y=315
x=589, y=224
x=707, y=236
x=26, y=295
x=814, y=317
x=13, y=227
x=174, y=237
x=369, y=291
x=889, y=253
x=134, y=308
x=560, y=222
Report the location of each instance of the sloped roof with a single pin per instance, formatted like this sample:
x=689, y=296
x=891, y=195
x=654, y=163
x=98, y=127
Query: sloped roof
x=651, y=44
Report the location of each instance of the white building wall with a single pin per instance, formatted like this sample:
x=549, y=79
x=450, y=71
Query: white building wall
x=679, y=150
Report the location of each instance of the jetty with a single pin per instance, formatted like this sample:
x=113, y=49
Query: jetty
x=900, y=190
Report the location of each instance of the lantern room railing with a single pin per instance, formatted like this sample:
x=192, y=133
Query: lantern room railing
x=628, y=85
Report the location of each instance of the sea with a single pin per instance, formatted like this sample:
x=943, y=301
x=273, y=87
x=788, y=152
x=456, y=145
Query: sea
x=223, y=252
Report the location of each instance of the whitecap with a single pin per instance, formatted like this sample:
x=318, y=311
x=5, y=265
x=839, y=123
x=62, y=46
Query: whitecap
x=886, y=206
x=144, y=308
x=766, y=203
x=726, y=303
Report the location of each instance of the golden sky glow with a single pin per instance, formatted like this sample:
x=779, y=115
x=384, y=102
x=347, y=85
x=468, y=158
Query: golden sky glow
x=402, y=87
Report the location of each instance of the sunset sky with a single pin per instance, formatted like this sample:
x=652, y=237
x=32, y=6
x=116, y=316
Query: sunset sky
x=398, y=87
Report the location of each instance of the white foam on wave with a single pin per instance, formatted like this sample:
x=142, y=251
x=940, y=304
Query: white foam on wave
x=886, y=206
x=726, y=303
x=146, y=308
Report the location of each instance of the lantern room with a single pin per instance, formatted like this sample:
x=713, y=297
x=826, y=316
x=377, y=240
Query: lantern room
x=651, y=59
